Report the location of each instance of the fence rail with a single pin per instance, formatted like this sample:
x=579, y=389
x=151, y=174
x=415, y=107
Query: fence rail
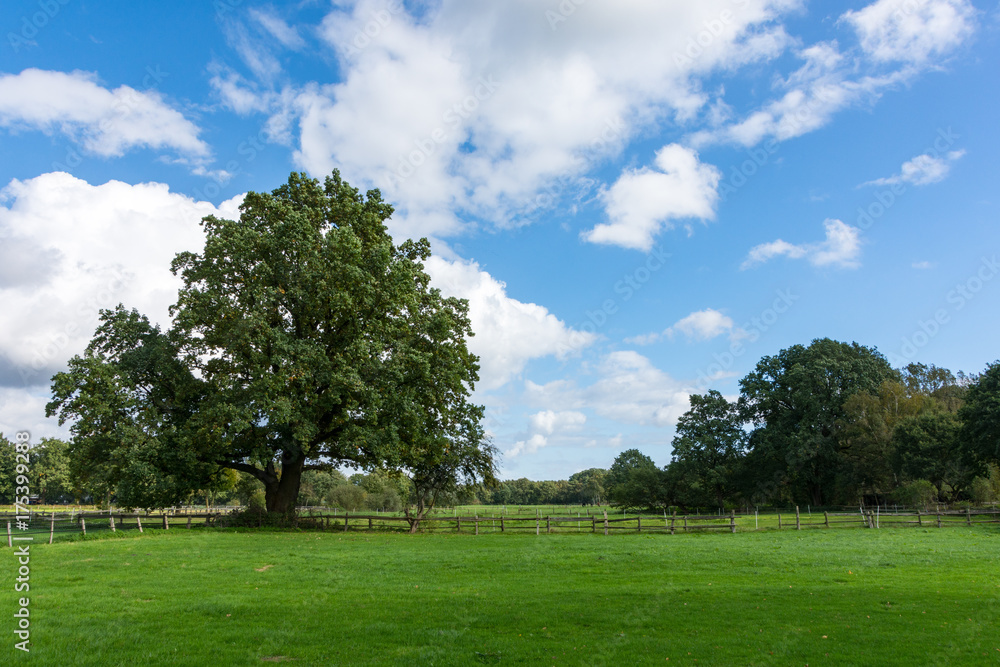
x=52, y=525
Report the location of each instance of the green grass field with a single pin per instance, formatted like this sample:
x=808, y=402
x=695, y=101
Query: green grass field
x=216, y=597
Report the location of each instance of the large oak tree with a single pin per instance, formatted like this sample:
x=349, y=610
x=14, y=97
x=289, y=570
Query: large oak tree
x=303, y=338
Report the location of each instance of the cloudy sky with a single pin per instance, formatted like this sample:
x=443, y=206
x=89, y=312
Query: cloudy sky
x=639, y=198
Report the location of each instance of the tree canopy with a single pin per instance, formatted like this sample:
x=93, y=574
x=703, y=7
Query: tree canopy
x=302, y=339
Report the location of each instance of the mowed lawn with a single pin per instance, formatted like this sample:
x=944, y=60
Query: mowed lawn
x=905, y=596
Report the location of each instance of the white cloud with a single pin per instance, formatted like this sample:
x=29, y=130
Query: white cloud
x=407, y=80
x=923, y=266
x=703, y=325
x=629, y=389
x=911, y=30
x=548, y=422
x=922, y=170
x=277, y=28
x=509, y=333
x=841, y=248
x=643, y=201
x=543, y=425
x=105, y=122
x=82, y=248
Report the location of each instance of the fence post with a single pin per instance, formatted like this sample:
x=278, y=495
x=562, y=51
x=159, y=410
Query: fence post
x=798, y=526
x=593, y=523
x=538, y=525
x=369, y=523
x=939, y=518
x=83, y=526
x=111, y=520
x=10, y=540
x=605, y=523
x=920, y=520
x=673, y=518
x=779, y=520
x=166, y=526
x=968, y=516
x=138, y=522
x=52, y=527
x=189, y=520
x=346, y=519
x=477, y=523
x=548, y=525
x=459, y=529
x=685, y=523
x=826, y=519
x=639, y=520
x=501, y=523
x=732, y=520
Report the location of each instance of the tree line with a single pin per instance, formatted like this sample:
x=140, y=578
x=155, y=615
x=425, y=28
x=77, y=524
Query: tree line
x=827, y=424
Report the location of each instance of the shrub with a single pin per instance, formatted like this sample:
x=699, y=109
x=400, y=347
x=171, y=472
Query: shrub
x=919, y=493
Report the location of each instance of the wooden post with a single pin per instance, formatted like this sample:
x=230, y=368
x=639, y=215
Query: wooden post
x=548, y=525
x=920, y=519
x=779, y=520
x=798, y=526
x=939, y=519
x=346, y=519
x=83, y=526
x=166, y=525
x=968, y=516
x=459, y=523
x=826, y=519
x=605, y=523
x=477, y=523
x=52, y=527
x=673, y=518
x=111, y=520
x=732, y=520
x=501, y=523
x=639, y=520
x=369, y=523
x=593, y=523
x=10, y=540
x=138, y=522
x=538, y=525
x=189, y=520
x=685, y=523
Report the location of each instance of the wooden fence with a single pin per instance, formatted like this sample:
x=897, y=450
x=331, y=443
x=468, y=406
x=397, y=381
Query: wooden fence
x=50, y=525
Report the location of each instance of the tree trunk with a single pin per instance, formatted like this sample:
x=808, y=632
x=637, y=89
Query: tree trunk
x=281, y=495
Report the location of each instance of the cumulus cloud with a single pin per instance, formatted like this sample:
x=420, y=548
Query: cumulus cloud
x=643, y=201
x=922, y=170
x=628, y=389
x=509, y=333
x=275, y=26
x=85, y=247
x=104, y=122
x=841, y=248
x=474, y=108
x=543, y=425
x=911, y=31
x=700, y=325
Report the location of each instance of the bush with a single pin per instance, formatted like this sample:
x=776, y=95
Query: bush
x=348, y=496
x=387, y=501
x=920, y=493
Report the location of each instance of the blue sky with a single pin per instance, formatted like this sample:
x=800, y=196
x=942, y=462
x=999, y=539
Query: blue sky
x=639, y=199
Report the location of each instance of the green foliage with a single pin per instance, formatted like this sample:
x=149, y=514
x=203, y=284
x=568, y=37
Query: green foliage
x=634, y=481
x=918, y=493
x=303, y=338
x=795, y=401
x=8, y=465
x=348, y=497
x=50, y=471
x=929, y=446
x=981, y=415
x=708, y=450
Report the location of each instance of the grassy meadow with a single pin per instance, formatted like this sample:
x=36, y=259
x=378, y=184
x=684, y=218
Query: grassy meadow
x=224, y=597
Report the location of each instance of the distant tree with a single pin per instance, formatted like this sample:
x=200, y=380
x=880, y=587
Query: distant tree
x=50, y=470
x=587, y=486
x=981, y=415
x=634, y=481
x=8, y=466
x=929, y=446
x=707, y=451
x=795, y=400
